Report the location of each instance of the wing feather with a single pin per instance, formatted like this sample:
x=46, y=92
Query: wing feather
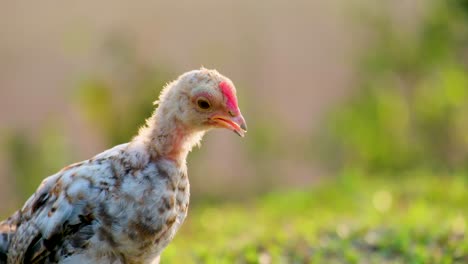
x=57, y=219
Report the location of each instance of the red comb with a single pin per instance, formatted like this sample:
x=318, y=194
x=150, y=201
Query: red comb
x=228, y=92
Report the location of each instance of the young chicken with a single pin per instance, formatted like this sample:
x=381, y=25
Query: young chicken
x=125, y=204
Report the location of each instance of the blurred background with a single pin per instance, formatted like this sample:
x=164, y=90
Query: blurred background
x=337, y=93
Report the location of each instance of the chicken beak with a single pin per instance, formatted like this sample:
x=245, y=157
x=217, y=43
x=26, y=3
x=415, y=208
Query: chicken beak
x=242, y=125
x=234, y=123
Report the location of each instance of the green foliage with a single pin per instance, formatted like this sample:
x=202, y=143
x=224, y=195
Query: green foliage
x=31, y=159
x=118, y=105
x=350, y=219
x=411, y=107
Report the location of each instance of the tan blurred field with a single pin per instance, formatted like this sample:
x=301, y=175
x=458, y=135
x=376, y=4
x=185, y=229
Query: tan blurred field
x=291, y=62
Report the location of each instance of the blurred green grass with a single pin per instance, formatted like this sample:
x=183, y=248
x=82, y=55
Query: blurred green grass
x=348, y=219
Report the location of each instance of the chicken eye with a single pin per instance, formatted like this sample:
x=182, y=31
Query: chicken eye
x=203, y=103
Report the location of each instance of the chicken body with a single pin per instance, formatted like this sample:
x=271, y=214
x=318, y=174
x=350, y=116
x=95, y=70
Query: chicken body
x=126, y=204
x=127, y=214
